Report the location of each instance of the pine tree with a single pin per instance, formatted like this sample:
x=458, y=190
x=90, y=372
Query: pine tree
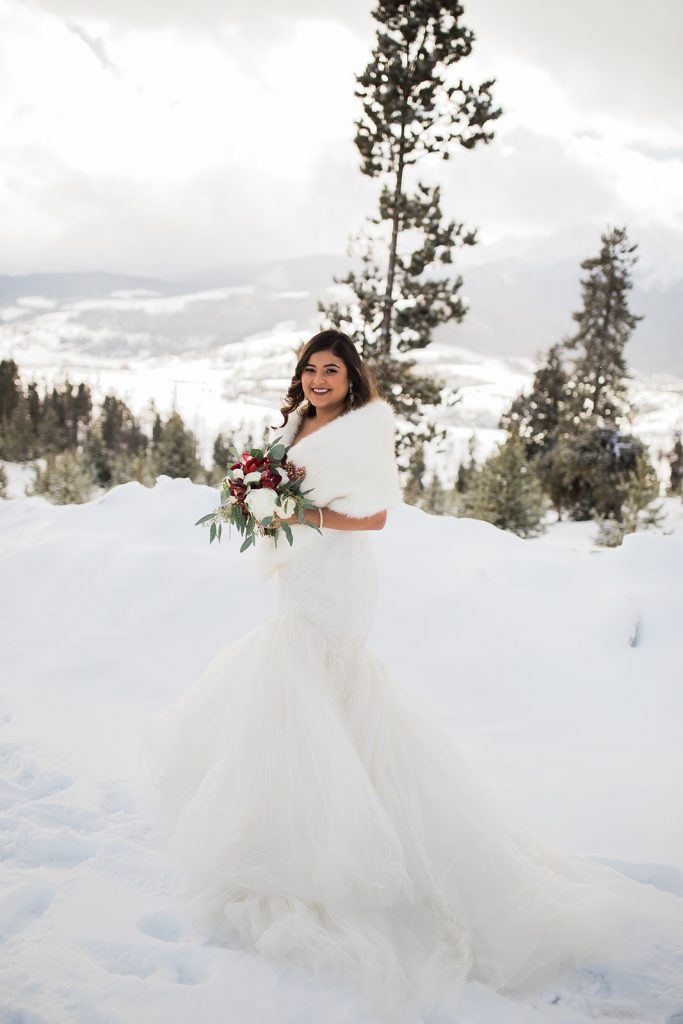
x=598, y=385
x=175, y=454
x=9, y=389
x=436, y=500
x=639, y=491
x=412, y=108
x=586, y=473
x=221, y=458
x=569, y=421
x=468, y=469
x=65, y=480
x=116, y=445
x=17, y=439
x=537, y=417
x=413, y=487
x=506, y=493
x=676, y=465
x=97, y=459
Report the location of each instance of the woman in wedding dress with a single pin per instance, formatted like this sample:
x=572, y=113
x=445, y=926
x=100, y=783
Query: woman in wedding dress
x=319, y=814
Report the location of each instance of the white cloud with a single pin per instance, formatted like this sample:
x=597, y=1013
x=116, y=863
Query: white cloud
x=166, y=138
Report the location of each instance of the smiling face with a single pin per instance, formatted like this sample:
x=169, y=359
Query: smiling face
x=327, y=372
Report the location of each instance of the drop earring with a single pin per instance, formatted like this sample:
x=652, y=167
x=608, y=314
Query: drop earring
x=351, y=393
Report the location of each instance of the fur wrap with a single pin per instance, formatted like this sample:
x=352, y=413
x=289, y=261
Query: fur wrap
x=350, y=468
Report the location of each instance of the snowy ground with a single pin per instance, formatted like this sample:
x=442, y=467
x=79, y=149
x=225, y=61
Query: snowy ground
x=557, y=667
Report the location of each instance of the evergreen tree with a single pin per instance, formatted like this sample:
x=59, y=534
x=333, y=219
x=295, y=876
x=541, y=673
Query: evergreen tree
x=10, y=392
x=586, y=473
x=51, y=430
x=538, y=416
x=413, y=487
x=34, y=406
x=639, y=491
x=412, y=108
x=676, y=465
x=116, y=445
x=119, y=429
x=17, y=439
x=568, y=422
x=128, y=466
x=598, y=386
x=65, y=480
x=221, y=458
x=157, y=430
x=506, y=493
x=3, y=482
x=175, y=454
x=467, y=470
x=97, y=459
x=436, y=499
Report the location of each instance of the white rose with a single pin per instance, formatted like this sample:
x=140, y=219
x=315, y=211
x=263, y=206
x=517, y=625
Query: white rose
x=261, y=502
x=237, y=474
x=252, y=478
x=286, y=508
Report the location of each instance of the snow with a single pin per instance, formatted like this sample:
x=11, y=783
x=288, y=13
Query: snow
x=557, y=667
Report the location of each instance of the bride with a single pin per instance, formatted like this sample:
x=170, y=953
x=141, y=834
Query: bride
x=318, y=814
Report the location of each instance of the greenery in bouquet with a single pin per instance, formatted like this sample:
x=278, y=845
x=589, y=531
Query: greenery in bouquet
x=262, y=485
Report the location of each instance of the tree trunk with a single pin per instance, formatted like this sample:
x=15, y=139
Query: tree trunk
x=385, y=336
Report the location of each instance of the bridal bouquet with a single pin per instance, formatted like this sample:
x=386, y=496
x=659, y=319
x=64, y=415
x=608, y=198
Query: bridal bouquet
x=262, y=484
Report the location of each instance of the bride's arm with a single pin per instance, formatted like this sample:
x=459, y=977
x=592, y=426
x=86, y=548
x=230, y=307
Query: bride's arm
x=339, y=521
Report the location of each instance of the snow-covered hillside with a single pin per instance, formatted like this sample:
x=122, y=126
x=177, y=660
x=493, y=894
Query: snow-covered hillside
x=557, y=670
x=234, y=383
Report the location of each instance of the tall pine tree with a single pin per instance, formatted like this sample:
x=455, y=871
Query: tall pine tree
x=413, y=108
x=598, y=380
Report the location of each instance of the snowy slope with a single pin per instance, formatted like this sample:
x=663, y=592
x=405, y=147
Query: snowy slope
x=558, y=671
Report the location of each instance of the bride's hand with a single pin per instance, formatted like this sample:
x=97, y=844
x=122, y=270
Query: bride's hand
x=277, y=521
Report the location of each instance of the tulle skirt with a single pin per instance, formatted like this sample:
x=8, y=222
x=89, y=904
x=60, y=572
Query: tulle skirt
x=319, y=814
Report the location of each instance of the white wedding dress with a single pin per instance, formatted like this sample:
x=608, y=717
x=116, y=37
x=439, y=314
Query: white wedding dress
x=318, y=814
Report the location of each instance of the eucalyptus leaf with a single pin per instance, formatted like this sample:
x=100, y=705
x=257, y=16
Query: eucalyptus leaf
x=205, y=519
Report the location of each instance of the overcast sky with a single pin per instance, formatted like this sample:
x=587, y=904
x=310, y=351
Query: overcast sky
x=172, y=137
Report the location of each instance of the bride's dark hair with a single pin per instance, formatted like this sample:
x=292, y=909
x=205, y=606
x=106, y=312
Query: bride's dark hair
x=365, y=387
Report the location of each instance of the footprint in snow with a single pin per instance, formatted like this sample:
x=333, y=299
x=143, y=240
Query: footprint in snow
x=22, y=780
x=179, y=967
x=165, y=925
x=20, y=906
x=60, y=850
x=76, y=818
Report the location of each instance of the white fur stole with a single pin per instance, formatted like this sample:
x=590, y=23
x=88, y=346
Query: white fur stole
x=350, y=467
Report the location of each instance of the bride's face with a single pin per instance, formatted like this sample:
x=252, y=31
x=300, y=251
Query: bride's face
x=325, y=380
